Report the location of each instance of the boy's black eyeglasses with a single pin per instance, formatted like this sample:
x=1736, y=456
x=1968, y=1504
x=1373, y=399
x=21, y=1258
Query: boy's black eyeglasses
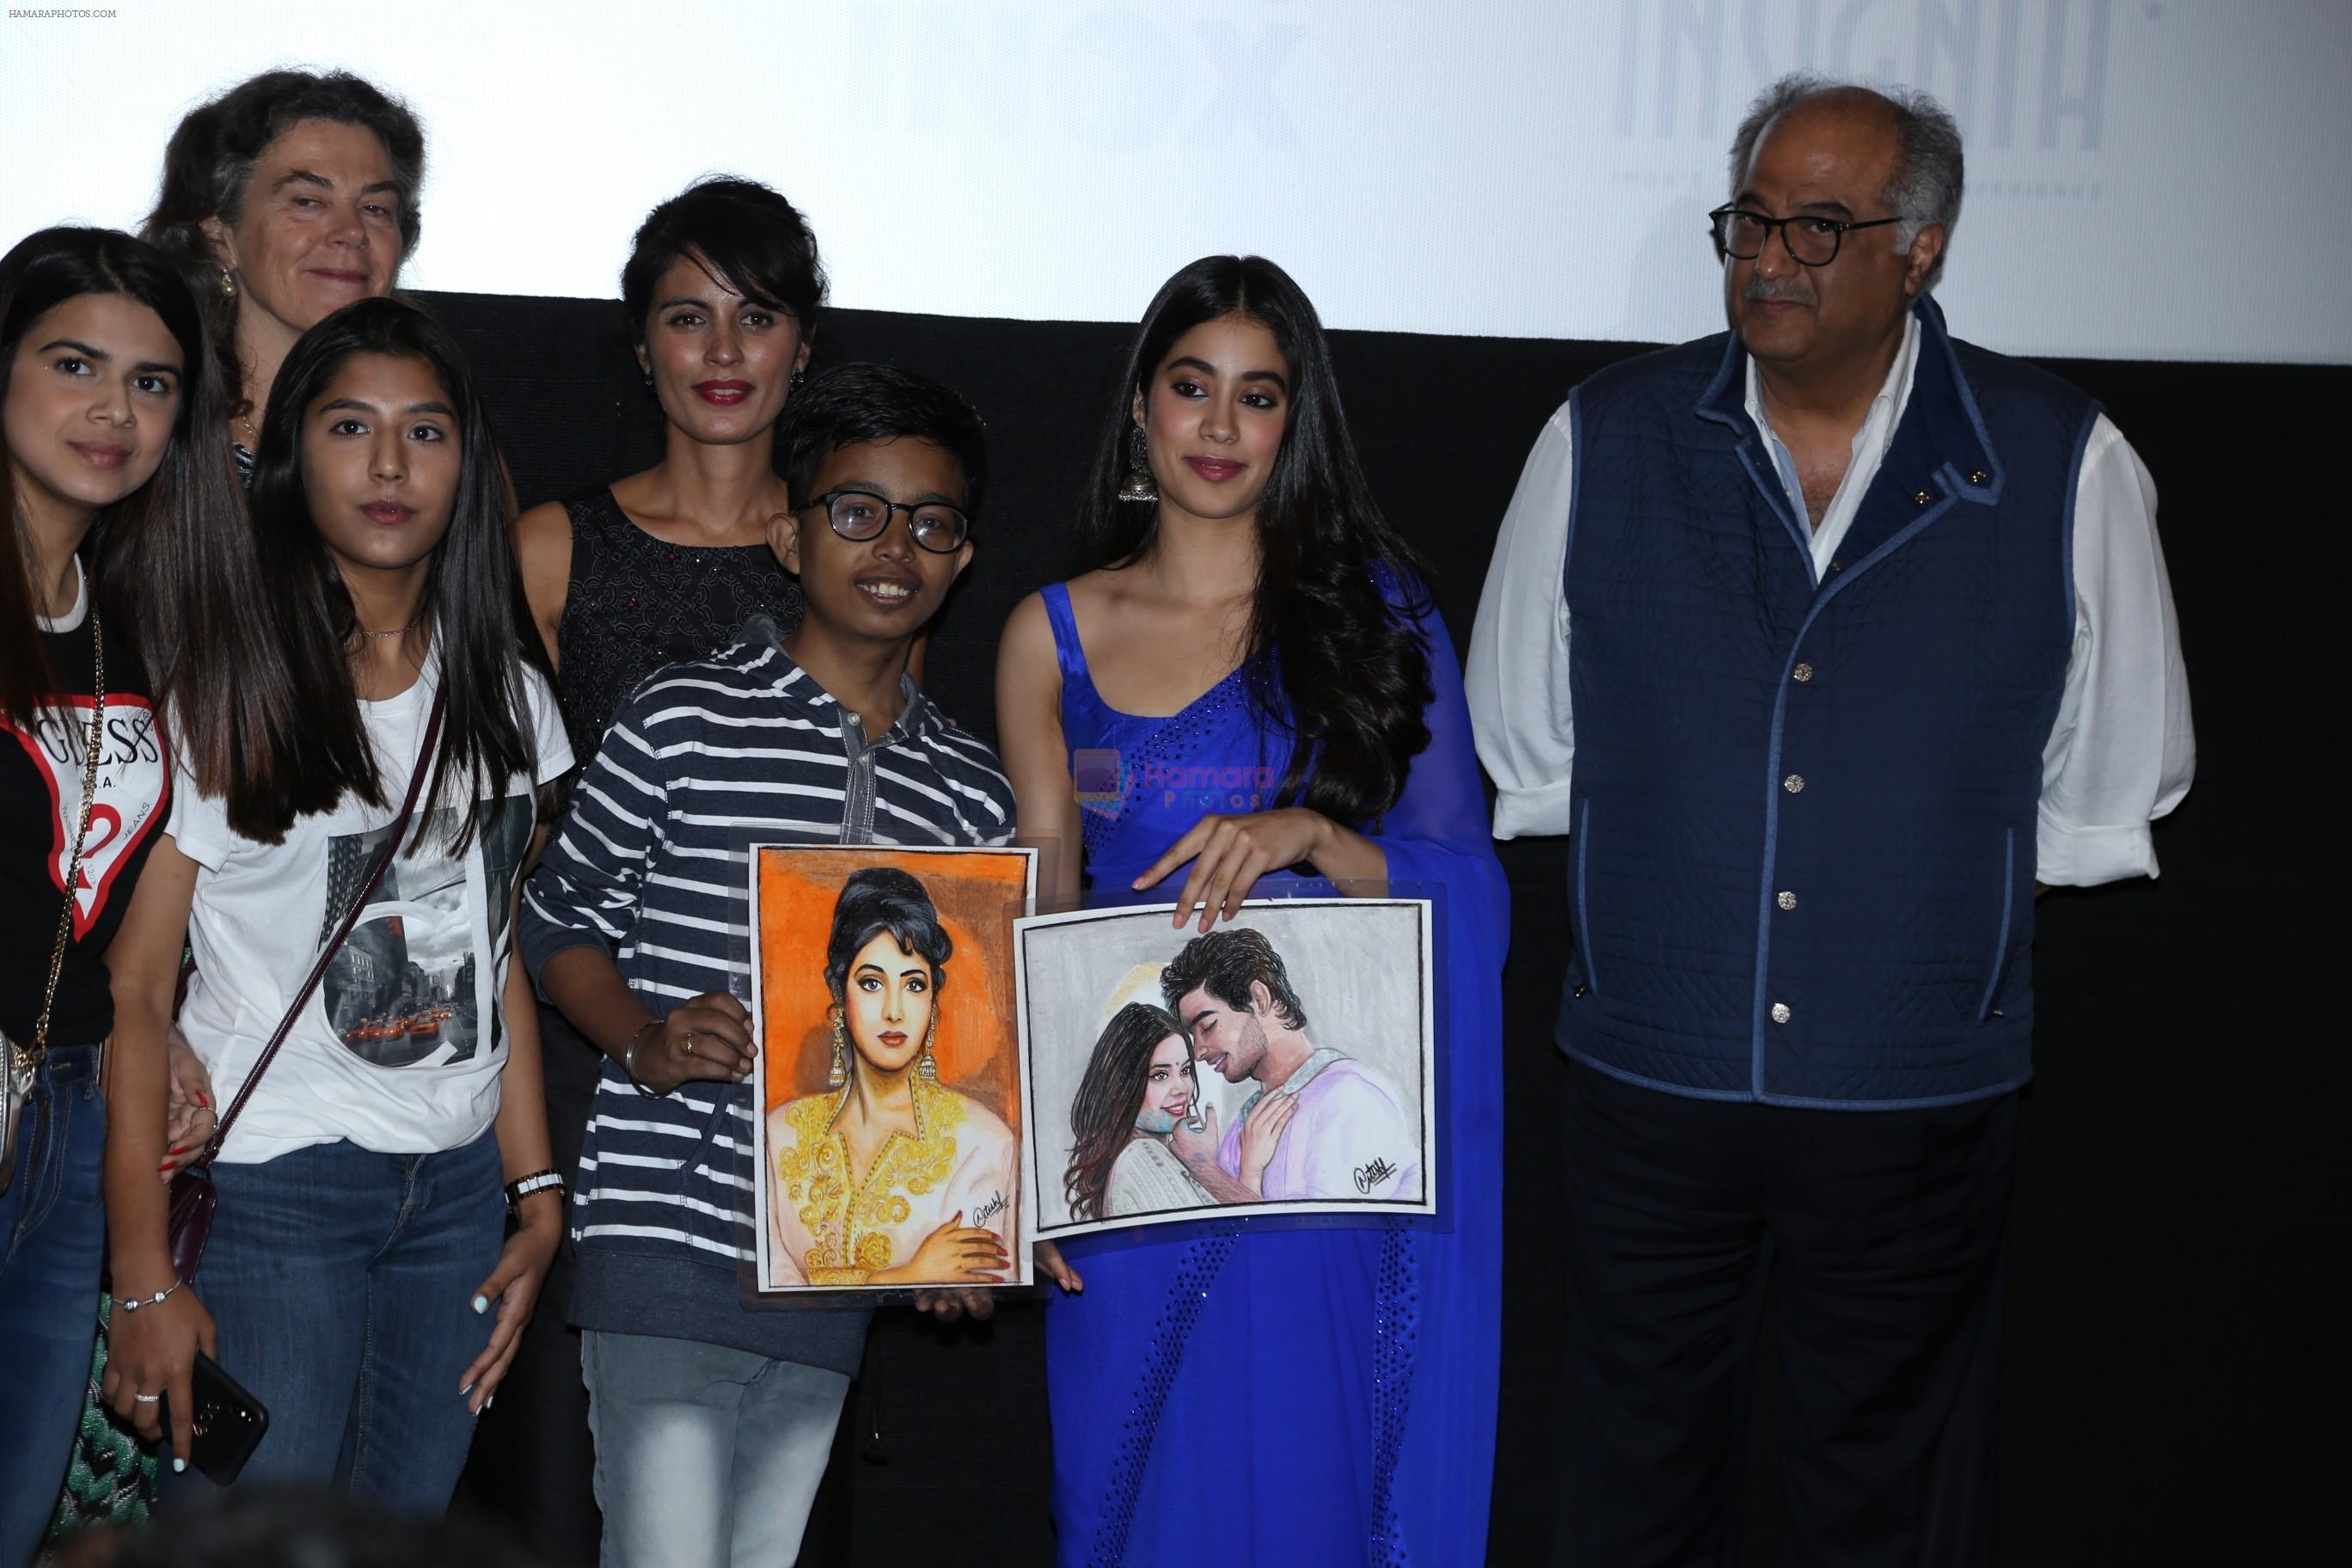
x=862, y=515
x=1813, y=241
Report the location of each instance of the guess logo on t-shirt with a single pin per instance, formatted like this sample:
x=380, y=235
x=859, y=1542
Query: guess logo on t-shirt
x=131, y=775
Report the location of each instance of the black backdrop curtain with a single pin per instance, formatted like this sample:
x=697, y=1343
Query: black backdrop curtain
x=2163, y=1398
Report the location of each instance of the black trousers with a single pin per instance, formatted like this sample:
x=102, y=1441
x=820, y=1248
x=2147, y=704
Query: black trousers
x=1880, y=1236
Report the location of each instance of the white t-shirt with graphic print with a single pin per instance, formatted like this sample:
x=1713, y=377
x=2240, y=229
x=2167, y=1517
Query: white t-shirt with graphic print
x=398, y=1050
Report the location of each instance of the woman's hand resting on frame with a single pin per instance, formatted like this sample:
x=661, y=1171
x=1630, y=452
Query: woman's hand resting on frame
x=1229, y=854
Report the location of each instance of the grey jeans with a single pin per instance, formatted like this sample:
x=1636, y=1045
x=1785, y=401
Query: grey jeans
x=706, y=1457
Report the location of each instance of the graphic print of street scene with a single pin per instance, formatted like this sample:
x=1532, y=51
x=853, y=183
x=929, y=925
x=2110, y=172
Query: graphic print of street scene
x=403, y=990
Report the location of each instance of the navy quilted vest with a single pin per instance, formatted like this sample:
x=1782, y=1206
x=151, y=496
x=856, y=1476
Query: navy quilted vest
x=1802, y=861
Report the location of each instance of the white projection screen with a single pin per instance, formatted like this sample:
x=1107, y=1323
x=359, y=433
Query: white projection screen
x=2147, y=178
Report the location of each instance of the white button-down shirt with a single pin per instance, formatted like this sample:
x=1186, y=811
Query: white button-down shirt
x=2121, y=753
x=1871, y=444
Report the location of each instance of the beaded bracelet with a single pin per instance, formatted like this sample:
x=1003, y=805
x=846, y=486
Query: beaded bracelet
x=133, y=1304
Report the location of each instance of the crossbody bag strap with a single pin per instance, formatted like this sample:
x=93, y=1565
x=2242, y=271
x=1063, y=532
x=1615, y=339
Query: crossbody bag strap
x=41, y=1046
x=334, y=943
x=20, y=1066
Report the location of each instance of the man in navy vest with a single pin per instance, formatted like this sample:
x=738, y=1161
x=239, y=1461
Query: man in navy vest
x=1828, y=641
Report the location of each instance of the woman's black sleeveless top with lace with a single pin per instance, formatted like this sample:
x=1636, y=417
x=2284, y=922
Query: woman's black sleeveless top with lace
x=638, y=603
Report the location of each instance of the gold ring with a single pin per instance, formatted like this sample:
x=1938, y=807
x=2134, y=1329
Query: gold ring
x=689, y=1042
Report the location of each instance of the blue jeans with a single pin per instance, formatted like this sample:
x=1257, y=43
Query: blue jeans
x=706, y=1457
x=52, y=1242
x=342, y=1284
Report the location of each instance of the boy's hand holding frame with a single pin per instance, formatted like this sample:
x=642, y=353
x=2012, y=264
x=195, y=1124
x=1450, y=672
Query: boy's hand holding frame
x=708, y=1037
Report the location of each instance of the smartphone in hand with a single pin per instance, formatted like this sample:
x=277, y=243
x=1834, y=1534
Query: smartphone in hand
x=229, y=1423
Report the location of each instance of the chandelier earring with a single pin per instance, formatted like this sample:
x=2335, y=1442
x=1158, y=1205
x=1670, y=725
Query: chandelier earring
x=1139, y=486
x=838, y=1073
x=928, y=1070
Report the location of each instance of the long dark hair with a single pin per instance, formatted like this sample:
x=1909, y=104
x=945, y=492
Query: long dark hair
x=208, y=172
x=473, y=607
x=1353, y=673
x=878, y=898
x=1103, y=1115
x=172, y=565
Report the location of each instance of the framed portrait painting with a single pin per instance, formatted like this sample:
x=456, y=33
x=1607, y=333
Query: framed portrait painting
x=889, y=1071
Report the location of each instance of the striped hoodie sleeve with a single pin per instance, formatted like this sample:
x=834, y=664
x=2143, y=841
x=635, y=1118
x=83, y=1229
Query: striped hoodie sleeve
x=586, y=889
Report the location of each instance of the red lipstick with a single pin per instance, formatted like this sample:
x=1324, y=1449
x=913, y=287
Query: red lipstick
x=723, y=393
x=1216, y=470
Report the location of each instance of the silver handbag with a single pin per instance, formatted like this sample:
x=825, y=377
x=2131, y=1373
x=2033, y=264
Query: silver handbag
x=23, y=1063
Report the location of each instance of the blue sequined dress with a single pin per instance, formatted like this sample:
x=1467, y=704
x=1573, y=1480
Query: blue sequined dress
x=1243, y=1395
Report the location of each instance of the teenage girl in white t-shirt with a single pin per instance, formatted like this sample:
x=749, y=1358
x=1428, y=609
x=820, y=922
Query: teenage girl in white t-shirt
x=360, y=1281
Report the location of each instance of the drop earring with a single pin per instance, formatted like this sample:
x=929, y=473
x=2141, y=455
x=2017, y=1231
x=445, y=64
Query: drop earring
x=1139, y=486
x=838, y=1073
x=795, y=384
x=228, y=285
x=928, y=1070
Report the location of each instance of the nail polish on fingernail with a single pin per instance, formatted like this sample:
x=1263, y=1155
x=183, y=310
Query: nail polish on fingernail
x=493, y=1399
x=179, y=1465
x=466, y=1390
x=481, y=1303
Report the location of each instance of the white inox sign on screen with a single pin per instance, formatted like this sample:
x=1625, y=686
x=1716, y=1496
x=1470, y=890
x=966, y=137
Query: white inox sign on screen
x=2148, y=178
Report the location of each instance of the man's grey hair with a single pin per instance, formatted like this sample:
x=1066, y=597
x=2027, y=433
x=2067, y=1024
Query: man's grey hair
x=1928, y=179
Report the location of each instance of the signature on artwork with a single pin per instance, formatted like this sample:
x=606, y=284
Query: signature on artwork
x=989, y=1210
x=1372, y=1175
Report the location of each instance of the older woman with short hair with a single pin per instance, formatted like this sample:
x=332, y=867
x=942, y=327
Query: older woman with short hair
x=284, y=199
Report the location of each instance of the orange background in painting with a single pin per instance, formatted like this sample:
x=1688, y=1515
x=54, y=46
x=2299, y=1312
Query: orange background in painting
x=978, y=895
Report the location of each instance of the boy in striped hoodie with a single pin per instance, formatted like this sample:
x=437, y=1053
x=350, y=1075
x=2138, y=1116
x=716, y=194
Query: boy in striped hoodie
x=712, y=1421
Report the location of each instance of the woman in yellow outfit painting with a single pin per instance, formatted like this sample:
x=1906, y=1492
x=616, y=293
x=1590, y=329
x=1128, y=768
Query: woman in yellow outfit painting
x=890, y=1177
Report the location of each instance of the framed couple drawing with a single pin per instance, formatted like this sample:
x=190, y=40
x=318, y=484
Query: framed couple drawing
x=944, y=1079
x=1279, y=1064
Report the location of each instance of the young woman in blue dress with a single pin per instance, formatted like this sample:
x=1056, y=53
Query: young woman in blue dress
x=1251, y=617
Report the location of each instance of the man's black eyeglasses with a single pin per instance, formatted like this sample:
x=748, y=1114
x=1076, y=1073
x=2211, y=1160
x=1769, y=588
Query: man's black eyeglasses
x=862, y=514
x=1813, y=241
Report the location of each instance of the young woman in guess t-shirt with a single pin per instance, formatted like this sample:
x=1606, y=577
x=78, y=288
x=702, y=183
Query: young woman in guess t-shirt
x=114, y=426
x=360, y=1279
